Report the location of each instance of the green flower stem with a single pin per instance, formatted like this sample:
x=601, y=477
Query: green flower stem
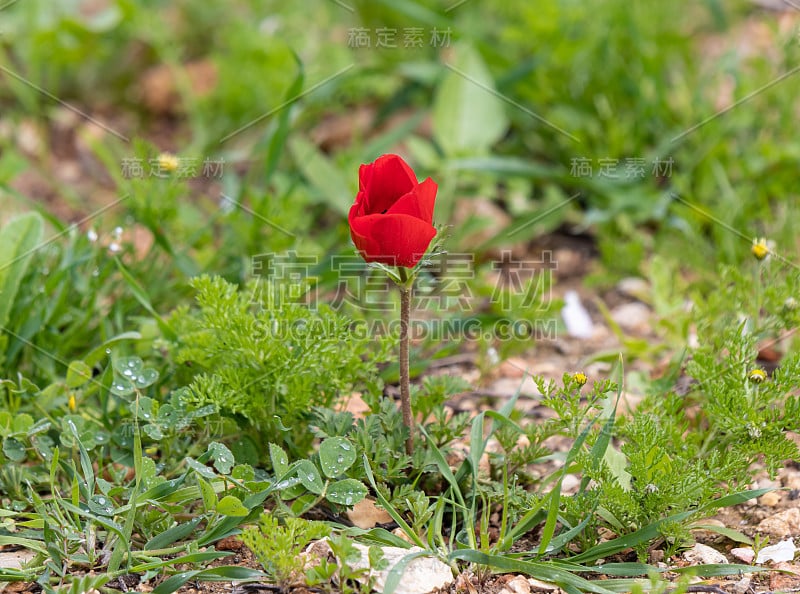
x=405, y=285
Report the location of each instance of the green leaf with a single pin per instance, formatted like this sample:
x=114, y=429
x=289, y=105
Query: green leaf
x=719, y=569
x=102, y=505
x=309, y=476
x=14, y=449
x=122, y=387
x=336, y=455
x=730, y=533
x=34, y=545
x=201, y=469
x=224, y=574
x=544, y=571
x=232, y=506
x=222, y=456
x=468, y=113
x=396, y=516
x=173, y=534
x=99, y=353
x=278, y=140
x=78, y=373
x=617, y=463
x=141, y=296
x=18, y=240
x=279, y=459
x=208, y=493
x=322, y=175
x=346, y=492
x=200, y=557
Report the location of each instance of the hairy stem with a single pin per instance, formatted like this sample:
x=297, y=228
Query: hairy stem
x=405, y=395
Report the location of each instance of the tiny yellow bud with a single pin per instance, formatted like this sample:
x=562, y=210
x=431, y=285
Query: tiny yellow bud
x=71, y=402
x=760, y=248
x=757, y=375
x=168, y=162
x=580, y=378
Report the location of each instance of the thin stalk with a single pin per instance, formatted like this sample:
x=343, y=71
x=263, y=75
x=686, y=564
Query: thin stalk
x=405, y=393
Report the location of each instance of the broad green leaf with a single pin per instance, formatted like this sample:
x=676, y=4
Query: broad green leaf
x=222, y=456
x=336, y=455
x=22, y=423
x=208, y=493
x=617, y=463
x=346, y=492
x=309, y=476
x=232, y=506
x=14, y=449
x=102, y=505
x=280, y=461
x=201, y=469
x=468, y=113
x=78, y=373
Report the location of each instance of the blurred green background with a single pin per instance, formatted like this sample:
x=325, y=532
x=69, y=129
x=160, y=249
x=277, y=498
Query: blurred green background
x=641, y=128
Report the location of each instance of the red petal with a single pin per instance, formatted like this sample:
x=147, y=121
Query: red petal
x=399, y=239
x=418, y=202
x=384, y=181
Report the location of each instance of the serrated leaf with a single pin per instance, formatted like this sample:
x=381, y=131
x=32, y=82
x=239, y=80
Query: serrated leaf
x=336, y=455
x=346, y=492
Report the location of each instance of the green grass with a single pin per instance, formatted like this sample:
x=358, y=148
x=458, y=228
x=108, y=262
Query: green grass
x=148, y=406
